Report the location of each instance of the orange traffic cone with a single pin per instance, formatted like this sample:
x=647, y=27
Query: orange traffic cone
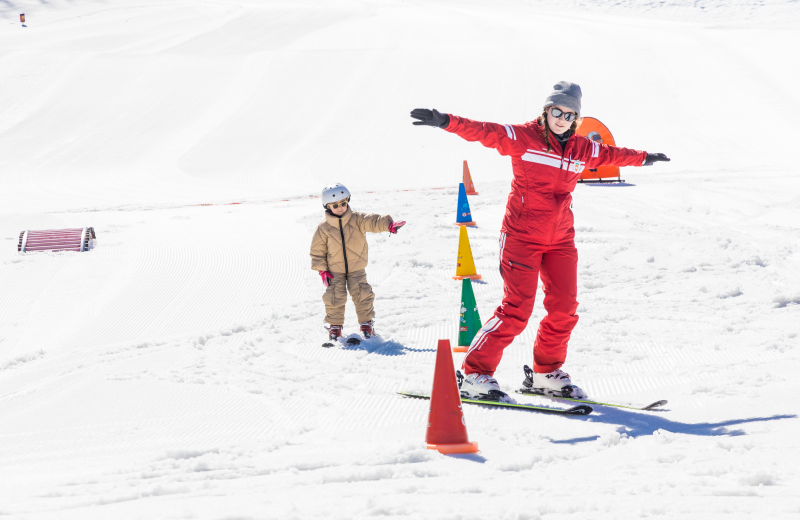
x=447, y=430
x=468, y=181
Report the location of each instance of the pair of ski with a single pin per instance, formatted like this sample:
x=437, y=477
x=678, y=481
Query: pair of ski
x=581, y=409
x=349, y=341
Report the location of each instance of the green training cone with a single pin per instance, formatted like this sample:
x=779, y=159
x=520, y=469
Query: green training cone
x=470, y=321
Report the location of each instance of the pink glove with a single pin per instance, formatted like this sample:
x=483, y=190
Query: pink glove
x=394, y=226
x=325, y=277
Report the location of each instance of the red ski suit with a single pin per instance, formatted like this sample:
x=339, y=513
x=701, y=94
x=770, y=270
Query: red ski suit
x=537, y=237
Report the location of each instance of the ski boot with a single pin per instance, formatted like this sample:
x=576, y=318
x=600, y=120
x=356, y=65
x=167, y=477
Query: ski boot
x=553, y=384
x=368, y=329
x=334, y=333
x=481, y=387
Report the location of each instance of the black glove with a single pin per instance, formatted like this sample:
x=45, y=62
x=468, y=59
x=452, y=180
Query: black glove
x=654, y=158
x=430, y=117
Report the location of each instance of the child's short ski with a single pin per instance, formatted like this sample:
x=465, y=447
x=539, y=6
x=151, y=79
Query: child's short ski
x=575, y=410
x=527, y=389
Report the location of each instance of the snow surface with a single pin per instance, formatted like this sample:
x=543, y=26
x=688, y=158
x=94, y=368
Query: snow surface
x=175, y=370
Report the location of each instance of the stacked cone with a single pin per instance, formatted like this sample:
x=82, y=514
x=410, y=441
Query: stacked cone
x=465, y=264
x=463, y=213
x=447, y=429
x=470, y=187
x=469, y=321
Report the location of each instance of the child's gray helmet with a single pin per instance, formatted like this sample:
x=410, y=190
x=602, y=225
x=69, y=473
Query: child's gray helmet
x=333, y=193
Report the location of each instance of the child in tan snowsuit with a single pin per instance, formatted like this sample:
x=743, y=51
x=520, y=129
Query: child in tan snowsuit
x=339, y=251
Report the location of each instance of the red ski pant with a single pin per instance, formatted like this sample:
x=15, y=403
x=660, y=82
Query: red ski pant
x=521, y=264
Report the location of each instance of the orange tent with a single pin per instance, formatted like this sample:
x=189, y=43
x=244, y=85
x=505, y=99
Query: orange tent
x=597, y=132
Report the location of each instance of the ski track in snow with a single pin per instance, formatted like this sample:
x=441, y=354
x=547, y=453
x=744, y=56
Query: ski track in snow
x=175, y=371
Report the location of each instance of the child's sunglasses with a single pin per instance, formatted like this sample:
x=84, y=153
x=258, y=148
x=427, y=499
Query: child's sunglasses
x=335, y=205
x=568, y=116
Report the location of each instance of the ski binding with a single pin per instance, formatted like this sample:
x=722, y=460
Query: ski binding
x=527, y=389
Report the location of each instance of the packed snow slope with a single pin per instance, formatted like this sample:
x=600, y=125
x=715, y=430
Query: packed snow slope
x=175, y=371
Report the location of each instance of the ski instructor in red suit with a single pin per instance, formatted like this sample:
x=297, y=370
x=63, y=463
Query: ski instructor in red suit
x=537, y=237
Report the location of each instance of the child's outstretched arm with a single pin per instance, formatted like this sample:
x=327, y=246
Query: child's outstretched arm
x=374, y=223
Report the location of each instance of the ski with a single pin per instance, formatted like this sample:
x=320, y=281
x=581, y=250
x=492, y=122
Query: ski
x=651, y=406
x=575, y=410
x=528, y=390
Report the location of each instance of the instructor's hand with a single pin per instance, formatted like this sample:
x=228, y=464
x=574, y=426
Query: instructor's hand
x=430, y=117
x=654, y=158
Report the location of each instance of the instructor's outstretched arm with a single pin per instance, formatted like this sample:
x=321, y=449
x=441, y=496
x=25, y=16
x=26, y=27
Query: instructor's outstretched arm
x=502, y=138
x=608, y=155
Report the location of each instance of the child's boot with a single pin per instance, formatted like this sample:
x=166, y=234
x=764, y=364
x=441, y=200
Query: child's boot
x=334, y=333
x=368, y=329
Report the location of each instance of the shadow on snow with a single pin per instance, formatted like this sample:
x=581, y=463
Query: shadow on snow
x=376, y=345
x=474, y=457
x=636, y=424
x=622, y=184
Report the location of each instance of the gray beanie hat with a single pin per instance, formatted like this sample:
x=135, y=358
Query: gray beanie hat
x=565, y=94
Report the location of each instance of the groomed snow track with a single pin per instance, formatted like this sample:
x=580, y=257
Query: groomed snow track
x=186, y=379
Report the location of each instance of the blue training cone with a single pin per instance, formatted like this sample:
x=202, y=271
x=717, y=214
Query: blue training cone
x=463, y=215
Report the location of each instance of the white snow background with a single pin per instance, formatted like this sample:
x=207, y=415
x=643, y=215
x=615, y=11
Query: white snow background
x=175, y=371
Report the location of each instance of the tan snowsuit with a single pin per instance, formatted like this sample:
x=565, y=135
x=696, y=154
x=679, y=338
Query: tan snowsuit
x=346, y=263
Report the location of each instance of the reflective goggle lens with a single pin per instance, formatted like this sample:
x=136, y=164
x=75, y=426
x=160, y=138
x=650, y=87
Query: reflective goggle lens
x=568, y=116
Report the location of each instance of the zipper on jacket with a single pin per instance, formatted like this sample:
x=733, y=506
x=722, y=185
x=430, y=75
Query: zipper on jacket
x=558, y=185
x=344, y=247
x=523, y=202
x=520, y=265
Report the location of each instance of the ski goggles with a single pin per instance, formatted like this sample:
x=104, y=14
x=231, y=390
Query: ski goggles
x=568, y=116
x=335, y=205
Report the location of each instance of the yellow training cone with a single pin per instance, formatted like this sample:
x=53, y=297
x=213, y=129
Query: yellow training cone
x=465, y=267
